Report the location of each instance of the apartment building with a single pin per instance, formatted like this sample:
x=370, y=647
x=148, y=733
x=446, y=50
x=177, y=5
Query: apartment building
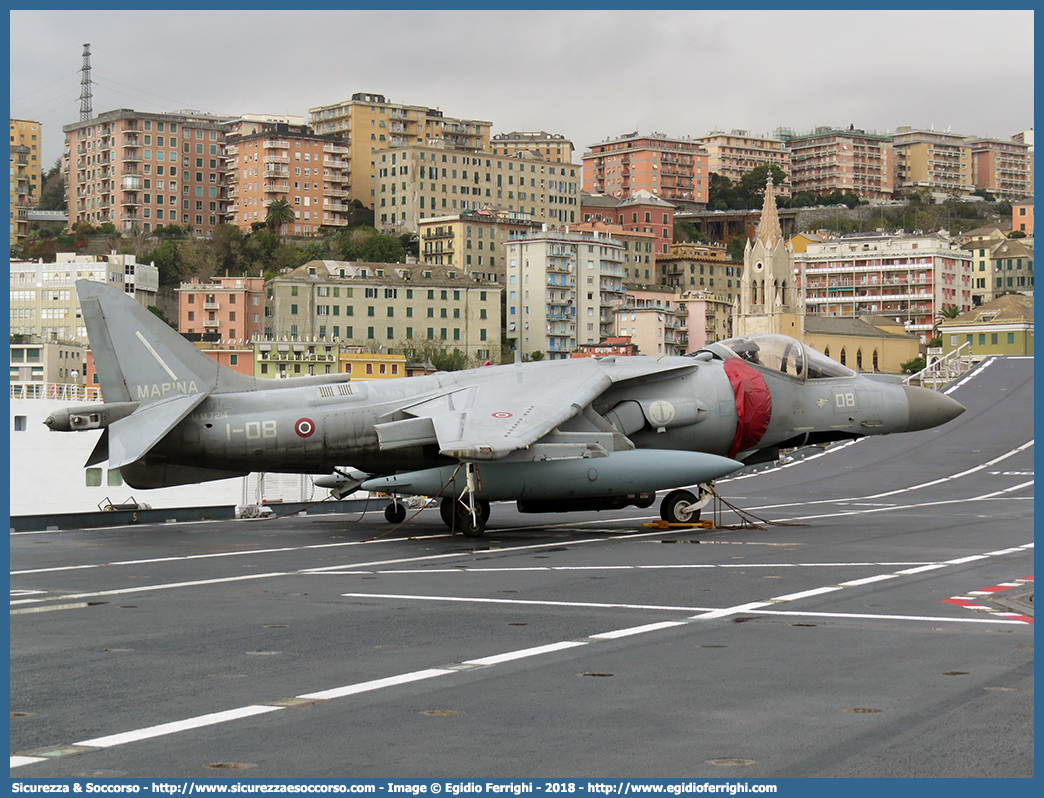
x=46, y=361
x=222, y=309
x=562, y=289
x=417, y=183
x=832, y=159
x=930, y=159
x=651, y=317
x=669, y=168
x=639, y=248
x=1003, y=326
x=21, y=198
x=141, y=171
x=1022, y=216
x=706, y=269
x=909, y=278
x=734, y=154
x=999, y=267
x=1001, y=167
x=642, y=212
x=371, y=123
x=384, y=307
x=278, y=161
x=615, y=346
x=29, y=134
x=542, y=146
x=43, y=295
x=473, y=240
x=705, y=317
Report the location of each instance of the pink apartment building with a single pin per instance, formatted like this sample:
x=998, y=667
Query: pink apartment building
x=669, y=168
x=224, y=309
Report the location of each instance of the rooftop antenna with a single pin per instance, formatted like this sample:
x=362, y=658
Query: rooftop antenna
x=86, y=111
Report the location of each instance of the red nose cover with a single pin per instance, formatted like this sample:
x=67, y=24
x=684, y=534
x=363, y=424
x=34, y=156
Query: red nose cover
x=753, y=404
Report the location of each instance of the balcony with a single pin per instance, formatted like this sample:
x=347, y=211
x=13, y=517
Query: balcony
x=276, y=144
x=211, y=306
x=211, y=323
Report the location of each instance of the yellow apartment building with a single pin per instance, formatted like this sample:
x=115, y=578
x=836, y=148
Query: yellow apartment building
x=383, y=307
x=29, y=133
x=416, y=183
x=930, y=159
x=473, y=240
x=371, y=123
x=21, y=199
x=543, y=146
x=1003, y=326
x=734, y=154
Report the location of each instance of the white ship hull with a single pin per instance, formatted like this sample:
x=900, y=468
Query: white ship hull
x=48, y=474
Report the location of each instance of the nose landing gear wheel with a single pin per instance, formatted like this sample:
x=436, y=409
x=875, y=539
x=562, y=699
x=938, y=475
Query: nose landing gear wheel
x=676, y=508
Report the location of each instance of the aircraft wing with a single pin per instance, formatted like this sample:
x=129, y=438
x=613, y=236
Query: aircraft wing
x=487, y=416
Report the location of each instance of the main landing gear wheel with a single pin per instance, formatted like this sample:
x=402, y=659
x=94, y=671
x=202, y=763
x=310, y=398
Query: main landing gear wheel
x=463, y=521
x=395, y=513
x=676, y=508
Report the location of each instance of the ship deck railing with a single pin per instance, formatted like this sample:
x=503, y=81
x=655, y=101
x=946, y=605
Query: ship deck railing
x=66, y=391
x=942, y=370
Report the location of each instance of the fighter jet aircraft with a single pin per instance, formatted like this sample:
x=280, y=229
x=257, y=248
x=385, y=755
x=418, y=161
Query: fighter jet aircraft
x=554, y=436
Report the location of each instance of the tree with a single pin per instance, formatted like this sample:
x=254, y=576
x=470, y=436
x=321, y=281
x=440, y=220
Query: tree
x=228, y=248
x=279, y=213
x=720, y=194
x=913, y=366
x=52, y=192
x=752, y=184
x=736, y=247
x=167, y=258
x=685, y=230
x=381, y=248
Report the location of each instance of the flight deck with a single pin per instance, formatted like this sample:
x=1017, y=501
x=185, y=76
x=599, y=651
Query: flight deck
x=871, y=615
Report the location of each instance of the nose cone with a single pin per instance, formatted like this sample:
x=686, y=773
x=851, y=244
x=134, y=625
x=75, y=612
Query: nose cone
x=929, y=408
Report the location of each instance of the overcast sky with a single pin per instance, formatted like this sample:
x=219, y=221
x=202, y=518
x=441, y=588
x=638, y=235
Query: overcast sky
x=588, y=75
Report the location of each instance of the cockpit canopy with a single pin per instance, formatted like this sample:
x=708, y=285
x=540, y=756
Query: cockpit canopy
x=779, y=353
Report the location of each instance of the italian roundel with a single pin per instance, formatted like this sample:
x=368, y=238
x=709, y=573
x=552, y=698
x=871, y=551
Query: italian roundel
x=304, y=427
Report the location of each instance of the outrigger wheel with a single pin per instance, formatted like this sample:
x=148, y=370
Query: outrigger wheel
x=395, y=513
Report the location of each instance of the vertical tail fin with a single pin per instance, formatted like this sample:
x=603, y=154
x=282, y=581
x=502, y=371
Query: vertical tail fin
x=139, y=358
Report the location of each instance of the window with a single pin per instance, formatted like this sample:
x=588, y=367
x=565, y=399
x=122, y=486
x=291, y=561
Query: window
x=92, y=477
x=1011, y=338
x=114, y=479
x=20, y=423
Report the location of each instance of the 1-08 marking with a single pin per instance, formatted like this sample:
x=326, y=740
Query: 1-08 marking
x=254, y=430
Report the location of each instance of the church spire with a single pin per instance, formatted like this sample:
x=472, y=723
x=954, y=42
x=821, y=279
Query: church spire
x=769, y=232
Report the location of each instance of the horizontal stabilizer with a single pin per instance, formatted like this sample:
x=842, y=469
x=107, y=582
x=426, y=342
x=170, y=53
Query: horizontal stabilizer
x=131, y=437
